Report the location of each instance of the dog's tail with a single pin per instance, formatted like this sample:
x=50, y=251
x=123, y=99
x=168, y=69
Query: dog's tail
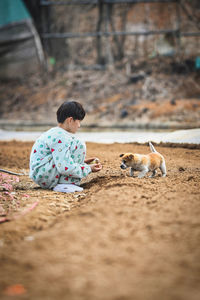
x=152, y=147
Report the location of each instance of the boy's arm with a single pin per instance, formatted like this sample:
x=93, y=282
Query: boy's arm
x=65, y=164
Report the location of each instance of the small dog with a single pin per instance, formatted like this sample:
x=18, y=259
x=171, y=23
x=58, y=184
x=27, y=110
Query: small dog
x=144, y=163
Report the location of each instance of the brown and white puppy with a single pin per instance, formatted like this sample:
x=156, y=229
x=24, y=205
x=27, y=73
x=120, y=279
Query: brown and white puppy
x=144, y=163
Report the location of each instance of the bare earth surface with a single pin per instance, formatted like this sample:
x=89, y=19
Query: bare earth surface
x=121, y=238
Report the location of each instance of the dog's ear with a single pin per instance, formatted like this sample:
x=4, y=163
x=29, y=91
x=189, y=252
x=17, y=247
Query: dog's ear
x=121, y=155
x=131, y=156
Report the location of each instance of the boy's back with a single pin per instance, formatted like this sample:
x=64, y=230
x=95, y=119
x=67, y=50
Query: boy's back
x=53, y=156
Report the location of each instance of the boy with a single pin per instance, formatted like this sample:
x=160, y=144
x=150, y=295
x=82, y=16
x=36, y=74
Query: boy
x=57, y=158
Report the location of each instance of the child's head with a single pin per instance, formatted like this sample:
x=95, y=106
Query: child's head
x=69, y=116
x=70, y=109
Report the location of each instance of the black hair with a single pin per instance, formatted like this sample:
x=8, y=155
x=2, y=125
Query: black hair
x=70, y=109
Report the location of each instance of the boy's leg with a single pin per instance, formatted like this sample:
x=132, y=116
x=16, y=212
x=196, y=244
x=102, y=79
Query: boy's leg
x=78, y=154
x=46, y=176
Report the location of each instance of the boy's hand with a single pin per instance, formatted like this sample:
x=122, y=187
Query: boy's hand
x=96, y=167
x=92, y=160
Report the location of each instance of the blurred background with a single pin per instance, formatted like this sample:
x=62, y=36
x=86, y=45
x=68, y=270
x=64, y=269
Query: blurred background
x=131, y=63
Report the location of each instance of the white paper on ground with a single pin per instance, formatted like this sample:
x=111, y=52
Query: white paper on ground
x=67, y=188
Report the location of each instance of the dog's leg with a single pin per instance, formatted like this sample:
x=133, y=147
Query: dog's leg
x=153, y=174
x=143, y=173
x=163, y=169
x=131, y=172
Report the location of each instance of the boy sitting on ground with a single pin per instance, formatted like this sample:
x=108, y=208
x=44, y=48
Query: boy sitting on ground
x=57, y=158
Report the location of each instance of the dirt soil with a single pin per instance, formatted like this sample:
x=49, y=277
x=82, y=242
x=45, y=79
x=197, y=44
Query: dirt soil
x=121, y=238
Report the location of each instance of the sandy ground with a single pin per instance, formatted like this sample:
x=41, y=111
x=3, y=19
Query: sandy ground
x=121, y=238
